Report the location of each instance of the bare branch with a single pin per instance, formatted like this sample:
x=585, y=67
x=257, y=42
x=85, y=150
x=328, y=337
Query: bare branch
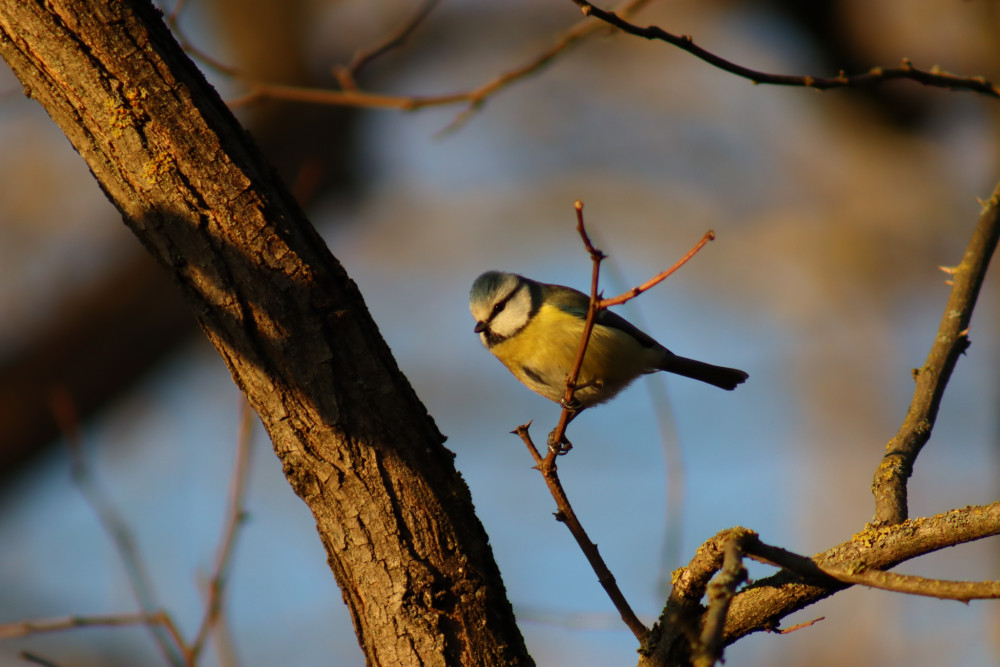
x=577, y=33
x=963, y=591
x=286, y=319
x=858, y=573
x=557, y=439
x=566, y=515
x=950, y=341
x=351, y=95
x=235, y=516
x=933, y=77
x=558, y=444
x=803, y=581
x=111, y=520
x=394, y=39
x=799, y=626
x=720, y=594
x=37, y=659
x=762, y=604
x=660, y=277
x=157, y=618
x=676, y=637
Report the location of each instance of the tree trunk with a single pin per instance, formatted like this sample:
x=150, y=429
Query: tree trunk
x=356, y=444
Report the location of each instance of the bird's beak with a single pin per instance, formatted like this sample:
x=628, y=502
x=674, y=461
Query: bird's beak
x=480, y=327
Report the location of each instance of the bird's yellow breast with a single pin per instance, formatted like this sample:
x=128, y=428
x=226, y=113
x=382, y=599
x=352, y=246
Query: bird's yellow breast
x=542, y=354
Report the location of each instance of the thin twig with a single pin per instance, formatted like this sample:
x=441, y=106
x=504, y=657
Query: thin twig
x=799, y=626
x=566, y=515
x=25, y=628
x=388, y=42
x=660, y=277
x=173, y=22
x=943, y=589
x=111, y=520
x=557, y=439
x=558, y=436
x=37, y=659
x=174, y=16
x=950, y=341
x=577, y=33
x=352, y=96
x=934, y=77
x=673, y=455
x=235, y=516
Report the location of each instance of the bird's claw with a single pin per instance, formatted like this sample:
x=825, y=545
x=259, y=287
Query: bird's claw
x=560, y=448
x=573, y=405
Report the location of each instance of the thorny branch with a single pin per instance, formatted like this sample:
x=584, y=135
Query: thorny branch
x=876, y=75
x=558, y=436
x=950, y=342
x=566, y=515
x=557, y=439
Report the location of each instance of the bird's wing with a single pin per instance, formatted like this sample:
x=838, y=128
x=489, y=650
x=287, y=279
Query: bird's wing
x=616, y=321
x=576, y=303
x=566, y=299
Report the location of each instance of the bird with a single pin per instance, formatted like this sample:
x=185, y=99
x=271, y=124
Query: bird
x=535, y=329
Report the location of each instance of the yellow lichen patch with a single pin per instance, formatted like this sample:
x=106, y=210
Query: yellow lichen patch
x=871, y=535
x=136, y=95
x=125, y=108
x=119, y=116
x=152, y=170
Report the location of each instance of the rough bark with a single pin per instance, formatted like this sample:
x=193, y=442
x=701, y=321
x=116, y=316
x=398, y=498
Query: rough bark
x=356, y=444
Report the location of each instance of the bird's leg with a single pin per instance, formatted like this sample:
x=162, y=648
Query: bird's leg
x=595, y=382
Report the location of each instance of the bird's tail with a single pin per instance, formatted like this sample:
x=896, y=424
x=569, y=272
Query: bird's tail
x=719, y=376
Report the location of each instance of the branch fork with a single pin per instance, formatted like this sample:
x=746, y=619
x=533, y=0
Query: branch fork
x=557, y=441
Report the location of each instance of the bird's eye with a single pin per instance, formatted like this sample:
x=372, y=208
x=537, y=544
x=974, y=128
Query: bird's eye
x=497, y=308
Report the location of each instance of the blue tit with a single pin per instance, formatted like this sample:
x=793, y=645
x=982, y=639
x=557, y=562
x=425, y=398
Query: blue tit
x=534, y=329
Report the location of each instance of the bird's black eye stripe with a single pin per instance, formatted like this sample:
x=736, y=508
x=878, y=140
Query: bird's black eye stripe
x=502, y=303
